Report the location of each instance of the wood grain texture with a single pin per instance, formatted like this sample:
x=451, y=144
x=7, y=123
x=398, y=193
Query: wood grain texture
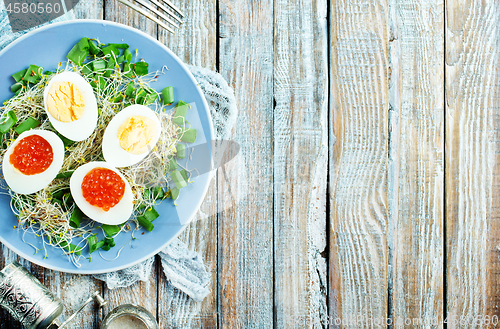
x=300, y=163
x=195, y=44
x=472, y=160
x=245, y=226
x=359, y=37
x=89, y=9
x=416, y=163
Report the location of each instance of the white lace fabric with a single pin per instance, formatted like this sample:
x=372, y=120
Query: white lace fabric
x=183, y=268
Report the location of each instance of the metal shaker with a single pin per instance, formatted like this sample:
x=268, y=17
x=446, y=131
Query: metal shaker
x=30, y=302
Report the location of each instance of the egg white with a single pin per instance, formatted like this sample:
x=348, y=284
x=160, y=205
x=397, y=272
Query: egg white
x=119, y=214
x=27, y=184
x=82, y=128
x=113, y=153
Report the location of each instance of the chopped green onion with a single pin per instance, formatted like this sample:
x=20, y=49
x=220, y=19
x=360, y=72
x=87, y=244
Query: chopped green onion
x=110, y=242
x=87, y=69
x=120, y=45
x=179, y=181
x=158, y=193
x=16, y=87
x=76, y=218
x=92, y=241
x=172, y=164
x=180, y=115
x=128, y=71
x=128, y=55
x=141, y=68
x=174, y=193
x=189, y=135
x=26, y=125
x=120, y=59
x=33, y=74
x=111, y=230
x=151, y=214
x=18, y=76
x=66, y=174
x=8, y=122
x=94, y=49
x=99, y=65
x=111, y=49
x=181, y=151
x=181, y=103
x=185, y=174
x=79, y=52
x=144, y=222
x=168, y=95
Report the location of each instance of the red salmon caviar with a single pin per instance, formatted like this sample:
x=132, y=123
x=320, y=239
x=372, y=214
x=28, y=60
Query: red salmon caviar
x=32, y=155
x=103, y=188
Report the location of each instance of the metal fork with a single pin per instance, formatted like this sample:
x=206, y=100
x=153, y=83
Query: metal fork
x=172, y=10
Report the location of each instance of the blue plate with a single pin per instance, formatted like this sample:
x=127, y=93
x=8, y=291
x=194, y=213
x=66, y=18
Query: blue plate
x=47, y=47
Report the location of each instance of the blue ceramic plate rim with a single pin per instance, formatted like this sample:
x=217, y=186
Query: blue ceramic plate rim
x=201, y=182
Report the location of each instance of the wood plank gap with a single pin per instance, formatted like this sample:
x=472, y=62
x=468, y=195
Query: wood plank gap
x=328, y=223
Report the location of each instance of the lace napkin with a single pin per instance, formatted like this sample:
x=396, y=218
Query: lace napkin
x=184, y=268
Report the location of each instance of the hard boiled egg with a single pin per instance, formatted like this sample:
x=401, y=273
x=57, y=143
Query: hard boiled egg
x=130, y=136
x=32, y=161
x=102, y=193
x=71, y=105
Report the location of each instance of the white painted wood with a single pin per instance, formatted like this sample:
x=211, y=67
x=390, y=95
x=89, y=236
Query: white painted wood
x=472, y=159
x=245, y=228
x=416, y=162
x=358, y=163
x=300, y=163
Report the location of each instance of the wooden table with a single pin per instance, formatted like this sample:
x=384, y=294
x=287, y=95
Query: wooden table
x=367, y=188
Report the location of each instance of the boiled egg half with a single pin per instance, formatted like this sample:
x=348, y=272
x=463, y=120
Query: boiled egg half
x=130, y=136
x=32, y=161
x=102, y=193
x=71, y=105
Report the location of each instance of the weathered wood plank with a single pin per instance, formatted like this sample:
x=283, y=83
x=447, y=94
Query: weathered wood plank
x=245, y=231
x=358, y=163
x=89, y=9
x=416, y=163
x=472, y=160
x=300, y=138
x=195, y=44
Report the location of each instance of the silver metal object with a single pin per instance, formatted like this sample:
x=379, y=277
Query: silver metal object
x=174, y=12
x=30, y=302
x=130, y=311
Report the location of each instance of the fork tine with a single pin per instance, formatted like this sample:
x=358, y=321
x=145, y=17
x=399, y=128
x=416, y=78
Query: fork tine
x=165, y=9
x=147, y=5
x=146, y=14
x=174, y=7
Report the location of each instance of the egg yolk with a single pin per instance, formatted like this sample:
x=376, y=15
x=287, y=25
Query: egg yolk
x=65, y=101
x=103, y=188
x=136, y=133
x=32, y=155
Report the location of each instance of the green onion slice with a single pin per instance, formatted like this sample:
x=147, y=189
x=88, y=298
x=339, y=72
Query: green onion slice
x=76, y=218
x=19, y=75
x=8, y=122
x=189, y=135
x=168, y=95
x=26, y=125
